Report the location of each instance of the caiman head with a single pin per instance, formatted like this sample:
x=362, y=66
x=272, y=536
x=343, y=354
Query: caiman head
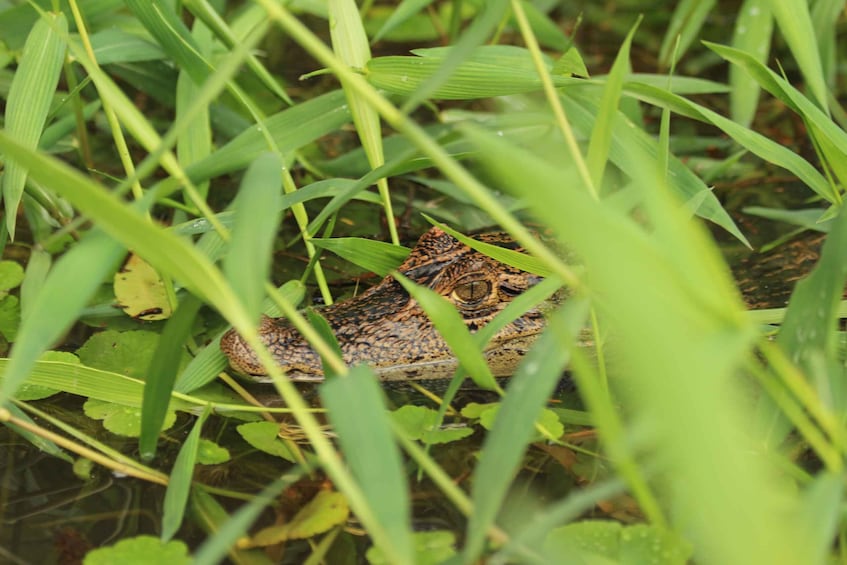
x=387, y=329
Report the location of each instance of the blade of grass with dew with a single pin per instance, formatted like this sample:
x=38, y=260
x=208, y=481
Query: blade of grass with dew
x=528, y=392
x=686, y=23
x=809, y=336
x=351, y=46
x=492, y=70
x=752, y=34
x=600, y=140
x=247, y=264
x=28, y=103
x=161, y=374
x=58, y=303
x=676, y=322
x=756, y=143
x=375, y=256
x=452, y=328
x=210, y=361
x=795, y=23
x=204, y=11
x=290, y=129
x=179, y=484
x=356, y=409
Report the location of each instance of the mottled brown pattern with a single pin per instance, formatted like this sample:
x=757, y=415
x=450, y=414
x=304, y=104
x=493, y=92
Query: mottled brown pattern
x=387, y=329
x=766, y=280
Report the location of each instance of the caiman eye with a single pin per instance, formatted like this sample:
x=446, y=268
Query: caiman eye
x=472, y=292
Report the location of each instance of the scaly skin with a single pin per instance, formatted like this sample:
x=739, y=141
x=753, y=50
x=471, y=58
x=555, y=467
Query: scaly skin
x=385, y=328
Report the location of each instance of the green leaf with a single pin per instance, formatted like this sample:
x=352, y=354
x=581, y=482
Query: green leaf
x=686, y=23
x=264, y=437
x=356, y=410
x=10, y=317
x=128, y=353
x=11, y=276
x=210, y=453
x=627, y=545
x=375, y=256
x=171, y=35
x=179, y=484
x=289, y=129
x=752, y=34
x=29, y=100
x=325, y=511
x=600, y=140
x=148, y=548
x=431, y=548
x=162, y=371
x=513, y=429
x=420, y=423
x=121, y=419
x=257, y=213
x=115, y=45
x=795, y=23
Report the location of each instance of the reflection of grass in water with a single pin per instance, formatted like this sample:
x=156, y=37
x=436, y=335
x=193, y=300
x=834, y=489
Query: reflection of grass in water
x=681, y=426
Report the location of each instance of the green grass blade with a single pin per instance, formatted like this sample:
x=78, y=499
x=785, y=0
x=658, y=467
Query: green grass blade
x=376, y=256
x=59, y=302
x=229, y=528
x=756, y=143
x=809, y=332
x=159, y=247
x=400, y=14
x=247, y=264
x=678, y=321
x=629, y=144
x=30, y=95
x=171, y=34
x=686, y=23
x=795, y=23
x=482, y=26
x=600, y=140
x=290, y=130
x=162, y=372
x=351, y=46
x=357, y=412
x=179, y=484
x=449, y=323
x=207, y=13
x=528, y=392
x=75, y=378
x=753, y=31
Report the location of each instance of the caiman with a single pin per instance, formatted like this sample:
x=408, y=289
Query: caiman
x=385, y=328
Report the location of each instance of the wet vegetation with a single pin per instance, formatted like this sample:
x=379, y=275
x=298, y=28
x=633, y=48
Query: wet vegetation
x=174, y=169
